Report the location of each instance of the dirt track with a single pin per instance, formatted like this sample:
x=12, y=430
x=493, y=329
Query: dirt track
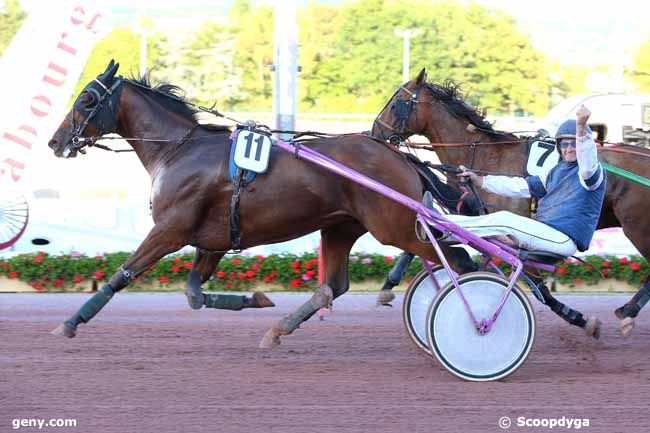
x=149, y=364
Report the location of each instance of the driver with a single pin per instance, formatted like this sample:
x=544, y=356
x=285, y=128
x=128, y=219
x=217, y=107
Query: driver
x=569, y=199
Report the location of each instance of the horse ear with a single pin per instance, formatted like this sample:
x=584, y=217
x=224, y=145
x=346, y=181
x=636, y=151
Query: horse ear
x=422, y=77
x=111, y=70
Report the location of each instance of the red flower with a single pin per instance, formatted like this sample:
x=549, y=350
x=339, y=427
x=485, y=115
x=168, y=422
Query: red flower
x=163, y=279
x=635, y=266
x=295, y=282
x=176, y=260
x=221, y=274
x=496, y=261
x=267, y=279
x=175, y=269
x=38, y=259
x=44, y=278
x=77, y=279
x=42, y=253
x=255, y=266
x=98, y=275
x=231, y=275
x=605, y=264
x=242, y=276
x=250, y=274
x=307, y=265
x=187, y=265
x=228, y=286
x=314, y=262
x=37, y=286
x=5, y=265
x=409, y=280
x=560, y=271
x=606, y=272
x=576, y=281
x=310, y=273
x=235, y=262
x=58, y=282
x=388, y=259
x=623, y=260
x=13, y=274
x=295, y=265
x=258, y=257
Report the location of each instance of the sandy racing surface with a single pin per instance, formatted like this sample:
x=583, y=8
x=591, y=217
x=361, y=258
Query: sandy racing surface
x=149, y=364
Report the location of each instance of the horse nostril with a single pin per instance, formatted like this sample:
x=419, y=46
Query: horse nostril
x=52, y=144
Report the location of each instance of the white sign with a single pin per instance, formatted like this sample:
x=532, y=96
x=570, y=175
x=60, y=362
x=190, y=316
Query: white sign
x=38, y=73
x=542, y=158
x=252, y=151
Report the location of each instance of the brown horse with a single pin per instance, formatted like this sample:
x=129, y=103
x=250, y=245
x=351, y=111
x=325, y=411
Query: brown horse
x=461, y=136
x=192, y=194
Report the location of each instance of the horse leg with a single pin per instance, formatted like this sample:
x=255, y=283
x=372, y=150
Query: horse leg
x=336, y=244
x=395, y=275
x=591, y=326
x=202, y=268
x=158, y=243
x=631, y=309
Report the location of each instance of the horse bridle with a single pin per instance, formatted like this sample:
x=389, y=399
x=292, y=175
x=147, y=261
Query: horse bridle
x=106, y=121
x=403, y=110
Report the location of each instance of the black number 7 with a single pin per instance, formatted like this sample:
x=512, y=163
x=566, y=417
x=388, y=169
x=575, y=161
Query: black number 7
x=549, y=149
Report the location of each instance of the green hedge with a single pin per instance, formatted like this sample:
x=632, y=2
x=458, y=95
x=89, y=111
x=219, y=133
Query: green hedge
x=299, y=272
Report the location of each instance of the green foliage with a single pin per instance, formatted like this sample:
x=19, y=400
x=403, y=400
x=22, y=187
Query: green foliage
x=351, y=58
x=11, y=18
x=641, y=70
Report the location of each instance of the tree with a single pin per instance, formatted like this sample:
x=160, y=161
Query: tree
x=640, y=73
x=11, y=18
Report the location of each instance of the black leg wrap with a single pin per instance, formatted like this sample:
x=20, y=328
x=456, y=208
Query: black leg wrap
x=638, y=301
x=121, y=279
x=91, y=307
x=572, y=316
x=395, y=275
x=225, y=302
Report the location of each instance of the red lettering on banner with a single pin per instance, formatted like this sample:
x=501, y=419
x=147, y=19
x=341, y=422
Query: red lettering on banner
x=64, y=46
x=20, y=140
x=76, y=21
x=14, y=165
x=92, y=22
x=45, y=100
x=56, y=68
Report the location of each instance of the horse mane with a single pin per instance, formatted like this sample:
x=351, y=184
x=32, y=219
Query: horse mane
x=172, y=97
x=450, y=94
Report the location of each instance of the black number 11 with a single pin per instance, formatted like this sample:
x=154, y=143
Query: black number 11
x=249, y=144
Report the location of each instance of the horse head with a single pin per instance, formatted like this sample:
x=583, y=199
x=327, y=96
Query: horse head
x=396, y=121
x=93, y=114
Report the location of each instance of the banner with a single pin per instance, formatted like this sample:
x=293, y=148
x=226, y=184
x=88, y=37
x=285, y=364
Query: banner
x=38, y=73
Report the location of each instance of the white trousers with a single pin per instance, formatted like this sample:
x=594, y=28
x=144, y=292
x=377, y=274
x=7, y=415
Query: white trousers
x=525, y=232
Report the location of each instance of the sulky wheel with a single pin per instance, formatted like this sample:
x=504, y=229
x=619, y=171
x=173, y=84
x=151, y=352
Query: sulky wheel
x=417, y=300
x=456, y=342
x=14, y=215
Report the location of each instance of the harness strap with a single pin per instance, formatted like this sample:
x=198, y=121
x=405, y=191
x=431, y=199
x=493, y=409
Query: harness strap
x=626, y=174
x=235, y=233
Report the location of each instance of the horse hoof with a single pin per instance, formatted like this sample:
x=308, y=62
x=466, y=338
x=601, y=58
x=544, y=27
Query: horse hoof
x=626, y=326
x=271, y=340
x=385, y=297
x=260, y=300
x=195, y=299
x=64, y=330
x=592, y=328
